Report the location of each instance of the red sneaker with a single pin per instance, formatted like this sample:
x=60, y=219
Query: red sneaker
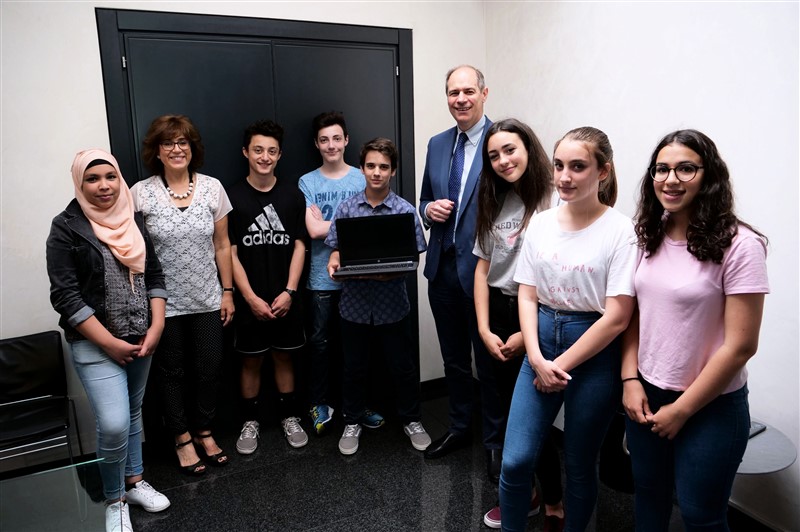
x=492, y=517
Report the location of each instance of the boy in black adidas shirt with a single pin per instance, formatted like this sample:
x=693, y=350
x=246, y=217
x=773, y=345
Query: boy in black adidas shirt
x=267, y=234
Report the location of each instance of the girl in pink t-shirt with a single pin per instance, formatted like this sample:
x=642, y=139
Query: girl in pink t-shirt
x=700, y=287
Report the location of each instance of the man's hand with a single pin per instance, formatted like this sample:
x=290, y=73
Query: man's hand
x=439, y=210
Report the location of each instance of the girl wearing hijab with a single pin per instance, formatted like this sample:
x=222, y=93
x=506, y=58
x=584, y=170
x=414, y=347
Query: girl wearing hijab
x=107, y=285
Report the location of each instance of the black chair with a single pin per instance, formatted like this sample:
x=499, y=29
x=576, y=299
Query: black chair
x=34, y=405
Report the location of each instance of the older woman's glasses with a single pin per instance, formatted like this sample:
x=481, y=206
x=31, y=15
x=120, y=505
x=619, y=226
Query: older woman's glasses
x=684, y=172
x=169, y=144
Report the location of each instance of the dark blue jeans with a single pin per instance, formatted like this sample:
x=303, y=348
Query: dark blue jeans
x=504, y=321
x=700, y=462
x=323, y=341
x=359, y=341
x=590, y=400
x=457, y=329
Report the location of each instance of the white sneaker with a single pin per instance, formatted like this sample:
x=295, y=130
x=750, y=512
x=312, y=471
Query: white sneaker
x=118, y=518
x=295, y=434
x=348, y=443
x=147, y=497
x=416, y=433
x=248, y=439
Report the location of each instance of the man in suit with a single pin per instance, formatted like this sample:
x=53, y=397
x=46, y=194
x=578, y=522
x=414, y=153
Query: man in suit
x=448, y=205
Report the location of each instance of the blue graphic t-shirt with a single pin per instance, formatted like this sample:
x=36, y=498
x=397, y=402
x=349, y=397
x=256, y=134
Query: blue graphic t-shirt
x=327, y=194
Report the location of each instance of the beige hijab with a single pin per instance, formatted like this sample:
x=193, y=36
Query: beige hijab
x=114, y=226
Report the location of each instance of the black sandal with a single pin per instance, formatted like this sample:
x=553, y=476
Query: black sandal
x=196, y=469
x=219, y=459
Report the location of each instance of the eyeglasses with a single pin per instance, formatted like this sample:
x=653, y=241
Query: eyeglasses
x=684, y=172
x=169, y=144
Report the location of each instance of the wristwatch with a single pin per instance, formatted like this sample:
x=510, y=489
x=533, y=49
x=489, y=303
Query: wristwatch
x=291, y=292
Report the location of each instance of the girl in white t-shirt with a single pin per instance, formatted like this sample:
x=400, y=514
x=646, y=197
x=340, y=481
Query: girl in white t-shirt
x=575, y=297
x=516, y=182
x=700, y=286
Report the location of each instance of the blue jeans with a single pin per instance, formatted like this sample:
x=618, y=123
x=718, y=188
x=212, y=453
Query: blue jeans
x=323, y=342
x=700, y=462
x=590, y=400
x=115, y=393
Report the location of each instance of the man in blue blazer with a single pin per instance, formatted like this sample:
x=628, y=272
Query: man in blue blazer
x=449, y=208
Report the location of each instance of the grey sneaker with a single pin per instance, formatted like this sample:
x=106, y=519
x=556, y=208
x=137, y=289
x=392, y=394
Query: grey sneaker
x=348, y=443
x=248, y=439
x=118, y=518
x=416, y=433
x=295, y=434
x=147, y=497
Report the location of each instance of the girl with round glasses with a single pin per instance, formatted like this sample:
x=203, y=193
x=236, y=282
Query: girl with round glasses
x=575, y=275
x=516, y=183
x=700, y=285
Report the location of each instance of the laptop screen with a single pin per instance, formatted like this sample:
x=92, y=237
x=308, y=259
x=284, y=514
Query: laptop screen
x=375, y=239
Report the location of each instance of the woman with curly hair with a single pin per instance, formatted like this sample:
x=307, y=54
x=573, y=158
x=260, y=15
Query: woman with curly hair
x=700, y=285
x=186, y=212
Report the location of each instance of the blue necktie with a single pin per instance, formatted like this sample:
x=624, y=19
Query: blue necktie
x=453, y=188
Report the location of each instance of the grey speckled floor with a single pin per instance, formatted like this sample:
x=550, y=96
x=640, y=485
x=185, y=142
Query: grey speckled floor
x=386, y=486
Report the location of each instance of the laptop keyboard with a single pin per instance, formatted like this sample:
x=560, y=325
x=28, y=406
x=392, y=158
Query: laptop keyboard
x=379, y=267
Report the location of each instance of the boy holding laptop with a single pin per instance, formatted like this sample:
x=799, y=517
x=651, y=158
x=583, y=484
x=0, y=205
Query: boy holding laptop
x=374, y=309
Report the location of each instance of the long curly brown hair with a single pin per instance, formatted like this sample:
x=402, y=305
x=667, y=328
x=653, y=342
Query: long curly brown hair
x=712, y=220
x=535, y=187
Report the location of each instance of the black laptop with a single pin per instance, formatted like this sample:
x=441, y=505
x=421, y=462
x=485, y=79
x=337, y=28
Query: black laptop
x=371, y=245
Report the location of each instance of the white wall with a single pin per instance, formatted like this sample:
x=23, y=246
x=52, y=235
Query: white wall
x=636, y=71
x=640, y=70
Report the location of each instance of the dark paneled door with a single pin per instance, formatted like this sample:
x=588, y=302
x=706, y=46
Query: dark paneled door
x=222, y=86
x=225, y=85
x=226, y=72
